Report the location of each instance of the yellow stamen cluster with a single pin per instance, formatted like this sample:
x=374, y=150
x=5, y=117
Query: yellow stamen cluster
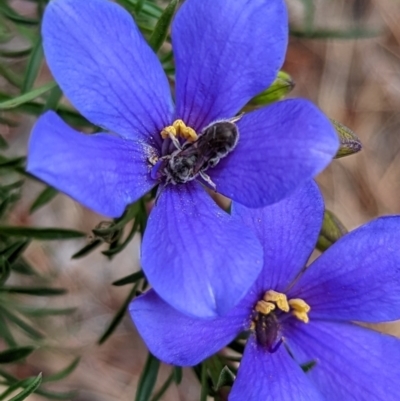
x=179, y=129
x=300, y=309
x=272, y=300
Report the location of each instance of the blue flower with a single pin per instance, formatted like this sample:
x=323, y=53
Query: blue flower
x=308, y=313
x=225, y=53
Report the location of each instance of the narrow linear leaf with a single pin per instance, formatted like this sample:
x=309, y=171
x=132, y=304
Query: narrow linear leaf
x=6, y=334
x=15, y=354
x=120, y=247
x=160, y=31
x=157, y=396
x=13, y=78
x=148, y=378
x=29, y=330
x=354, y=33
x=132, y=278
x=53, y=99
x=5, y=270
x=149, y=9
x=10, y=187
x=8, y=377
x=26, y=97
x=28, y=390
x=12, y=15
x=36, y=108
x=15, y=386
x=63, y=373
x=139, y=6
x=204, y=382
x=119, y=315
x=31, y=312
x=15, y=53
x=12, y=252
x=11, y=163
x=87, y=249
x=33, y=66
x=21, y=266
x=44, y=197
x=178, y=374
x=37, y=291
x=48, y=234
x=52, y=395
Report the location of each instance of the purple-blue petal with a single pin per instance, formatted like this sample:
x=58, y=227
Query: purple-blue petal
x=288, y=232
x=178, y=339
x=281, y=147
x=265, y=376
x=226, y=52
x=196, y=256
x=357, y=278
x=104, y=66
x=352, y=363
x=101, y=171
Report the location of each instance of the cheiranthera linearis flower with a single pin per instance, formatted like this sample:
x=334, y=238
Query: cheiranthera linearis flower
x=225, y=53
x=297, y=318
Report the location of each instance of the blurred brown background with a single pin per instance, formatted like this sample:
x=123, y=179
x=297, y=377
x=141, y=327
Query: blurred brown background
x=357, y=82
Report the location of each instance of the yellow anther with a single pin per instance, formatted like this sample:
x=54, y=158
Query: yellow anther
x=264, y=307
x=167, y=132
x=300, y=309
x=301, y=316
x=278, y=298
x=179, y=128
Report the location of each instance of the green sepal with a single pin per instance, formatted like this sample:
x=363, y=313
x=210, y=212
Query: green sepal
x=349, y=142
x=226, y=378
x=282, y=85
x=332, y=229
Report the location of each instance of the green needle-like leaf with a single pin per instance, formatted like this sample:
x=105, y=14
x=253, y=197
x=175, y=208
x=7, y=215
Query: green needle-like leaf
x=87, y=249
x=29, y=330
x=36, y=291
x=44, y=197
x=12, y=15
x=63, y=373
x=161, y=29
x=148, y=379
x=15, y=354
x=26, y=97
x=33, y=66
x=132, y=278
x=28, y=390
x=119, y=315
x=353, y=33
x=47, y=234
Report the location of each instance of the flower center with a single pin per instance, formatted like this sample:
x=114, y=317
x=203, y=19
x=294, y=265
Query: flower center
x=183, y=162
x=267, y=313
x=179, y=129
